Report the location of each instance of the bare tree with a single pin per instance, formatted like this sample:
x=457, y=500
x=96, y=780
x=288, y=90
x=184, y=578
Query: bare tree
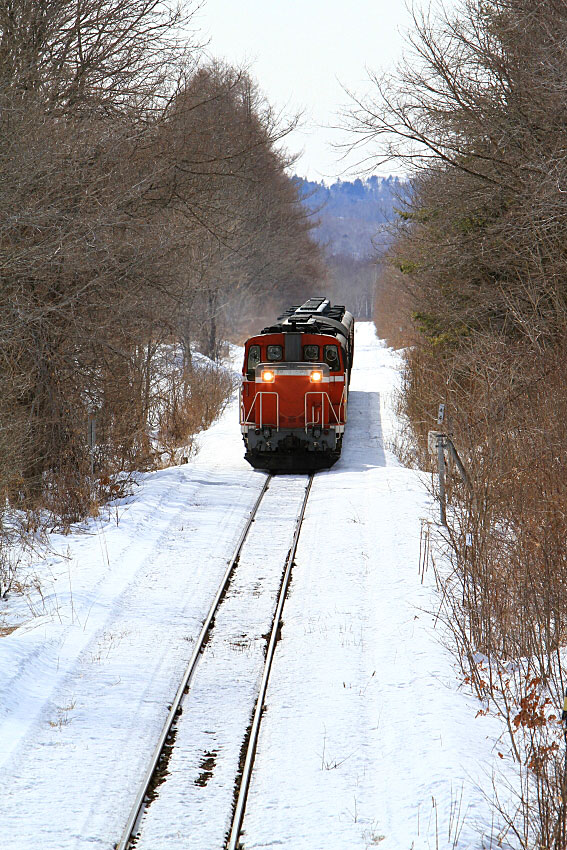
x=103, y=54
x=129, y=221
x=479, y=114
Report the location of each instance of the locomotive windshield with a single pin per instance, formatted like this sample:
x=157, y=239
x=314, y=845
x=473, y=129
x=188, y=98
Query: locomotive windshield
x=253, y=358
x=274, y=353
x=311, y=352
x=332, y=358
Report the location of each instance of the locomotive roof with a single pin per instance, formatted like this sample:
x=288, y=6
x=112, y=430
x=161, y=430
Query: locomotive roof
x=316, y=316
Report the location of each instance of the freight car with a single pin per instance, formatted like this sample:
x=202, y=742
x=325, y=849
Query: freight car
x=295, y=379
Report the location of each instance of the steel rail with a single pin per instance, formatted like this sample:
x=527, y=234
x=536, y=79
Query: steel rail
x=138, y=805
x=240, y=807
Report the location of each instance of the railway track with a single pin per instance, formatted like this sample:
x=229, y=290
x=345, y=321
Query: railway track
x=197, y=780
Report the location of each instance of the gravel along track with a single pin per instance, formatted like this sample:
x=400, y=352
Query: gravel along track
x=206, y=747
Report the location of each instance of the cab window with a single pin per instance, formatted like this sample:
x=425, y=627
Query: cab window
x=274, y=353
x=253, y=360
x=311, y=352
x=331, y=358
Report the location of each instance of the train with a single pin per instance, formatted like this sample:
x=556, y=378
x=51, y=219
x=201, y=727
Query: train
x=294, y=392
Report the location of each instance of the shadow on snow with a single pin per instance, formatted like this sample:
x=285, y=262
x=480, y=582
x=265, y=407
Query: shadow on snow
x=363, y=445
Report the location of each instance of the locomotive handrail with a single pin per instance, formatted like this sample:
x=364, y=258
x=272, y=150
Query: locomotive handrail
x=323, y=395
x=246, y=416
x=246, y=419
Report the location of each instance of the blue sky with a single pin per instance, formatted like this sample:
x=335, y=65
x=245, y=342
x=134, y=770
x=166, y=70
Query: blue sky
x=300, y=52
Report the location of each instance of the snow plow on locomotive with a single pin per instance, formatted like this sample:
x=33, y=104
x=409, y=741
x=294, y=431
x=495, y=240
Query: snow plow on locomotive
x=293, y=400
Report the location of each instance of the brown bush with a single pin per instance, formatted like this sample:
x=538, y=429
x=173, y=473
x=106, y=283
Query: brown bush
x=195, y=401
x=480, y=259
x=392, y=307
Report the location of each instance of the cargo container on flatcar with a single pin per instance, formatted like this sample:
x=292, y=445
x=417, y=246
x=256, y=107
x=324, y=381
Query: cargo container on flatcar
x=296, y=374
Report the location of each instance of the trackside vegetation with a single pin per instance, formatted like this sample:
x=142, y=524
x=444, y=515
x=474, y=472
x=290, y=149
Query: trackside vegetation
x=145, y=213
x=476, y=291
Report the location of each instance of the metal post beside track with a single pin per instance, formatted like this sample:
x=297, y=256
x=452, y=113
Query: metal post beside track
x=441, y=466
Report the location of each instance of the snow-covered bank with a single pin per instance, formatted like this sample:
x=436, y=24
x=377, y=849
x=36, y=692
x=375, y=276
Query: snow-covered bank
x=367, y=739
x=85, y=684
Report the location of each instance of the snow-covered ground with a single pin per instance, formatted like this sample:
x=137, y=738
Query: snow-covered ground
x=367, y=739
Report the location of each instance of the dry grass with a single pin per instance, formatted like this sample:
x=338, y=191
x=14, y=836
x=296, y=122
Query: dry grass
x=504, y=598
x=392, y=308
x=197, y=399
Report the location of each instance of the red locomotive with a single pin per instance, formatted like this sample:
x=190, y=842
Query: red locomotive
x=293, y=402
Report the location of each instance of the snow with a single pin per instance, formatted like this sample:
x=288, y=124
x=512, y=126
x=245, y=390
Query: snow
x=231, y=666
x=368, y=738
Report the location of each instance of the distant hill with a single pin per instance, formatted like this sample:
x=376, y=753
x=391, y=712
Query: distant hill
x=352, y=214
x=352, y=219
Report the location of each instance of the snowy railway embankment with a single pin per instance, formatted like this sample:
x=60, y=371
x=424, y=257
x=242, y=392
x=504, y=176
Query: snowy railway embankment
x=366, y=739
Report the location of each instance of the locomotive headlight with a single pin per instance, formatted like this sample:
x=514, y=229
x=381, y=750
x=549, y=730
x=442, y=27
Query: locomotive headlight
x=316, y=376
x=268, y=376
